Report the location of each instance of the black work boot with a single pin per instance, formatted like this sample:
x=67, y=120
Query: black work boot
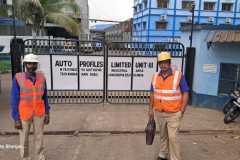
x=159, y=158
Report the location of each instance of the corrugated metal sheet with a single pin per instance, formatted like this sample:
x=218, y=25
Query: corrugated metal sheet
x=229, y=36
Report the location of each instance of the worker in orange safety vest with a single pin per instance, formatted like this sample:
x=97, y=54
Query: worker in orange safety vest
x=168, y=100
x=30, y=106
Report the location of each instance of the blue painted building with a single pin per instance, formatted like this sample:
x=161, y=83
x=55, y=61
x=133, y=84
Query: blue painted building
x=217, y=63
x=161, y=20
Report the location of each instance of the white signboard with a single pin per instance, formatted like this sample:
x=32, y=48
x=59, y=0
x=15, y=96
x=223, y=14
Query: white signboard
x=177, y=62
x=91, y=72
x=45, y=67
x=65, y=72
x=143, y=70
x=210, y=68
x=119, y=73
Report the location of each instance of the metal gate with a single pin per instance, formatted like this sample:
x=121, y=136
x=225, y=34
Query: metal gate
x=62, y=49
x=140, y=52
x=83, y=71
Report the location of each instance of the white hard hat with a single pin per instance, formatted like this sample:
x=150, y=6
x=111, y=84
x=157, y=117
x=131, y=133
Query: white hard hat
x=31, y=58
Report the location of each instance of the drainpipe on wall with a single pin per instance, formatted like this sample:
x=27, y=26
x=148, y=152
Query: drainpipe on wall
x=235, y=12
x=217, y=15
x=14, y=17
x=199, y=10
x=174, y=20
x=149, y=14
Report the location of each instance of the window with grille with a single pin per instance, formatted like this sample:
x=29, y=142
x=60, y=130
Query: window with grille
x=145, y=2
x=139, y=25
x=162, y=3
x=227, y=7
x=144, y=25
x=3, y=2
x=210, y=6
x=135, y=10
x=229, y=78
x=140, y=7
x=135, y=27
x=161, y=25
x=187, y=5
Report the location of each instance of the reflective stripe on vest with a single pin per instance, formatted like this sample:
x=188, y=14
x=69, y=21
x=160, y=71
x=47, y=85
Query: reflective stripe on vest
x=175, y=80
x=27, y=90
x=174, y=89
x=167, y=91
x=29, y=98
x=167, y=94
x=172, y=98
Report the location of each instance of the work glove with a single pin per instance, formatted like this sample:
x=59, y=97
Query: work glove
x=46, y=119
x=18, y=125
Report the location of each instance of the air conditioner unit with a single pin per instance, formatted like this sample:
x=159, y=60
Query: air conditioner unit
x=210, y=19
x=177, y=40
x=169, y=40
x=228, y=20
x=189, y=19
x=163, y=17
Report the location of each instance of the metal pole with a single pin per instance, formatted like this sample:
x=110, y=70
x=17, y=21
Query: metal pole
x=192, y=24
x=14, y=22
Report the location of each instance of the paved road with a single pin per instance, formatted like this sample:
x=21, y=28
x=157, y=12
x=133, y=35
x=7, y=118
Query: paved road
x=200, y=144
x=128, y=147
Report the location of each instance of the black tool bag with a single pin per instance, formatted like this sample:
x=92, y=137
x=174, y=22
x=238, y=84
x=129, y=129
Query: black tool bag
x=150, y=131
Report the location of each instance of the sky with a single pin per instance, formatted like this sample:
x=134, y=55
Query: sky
x=117, y=10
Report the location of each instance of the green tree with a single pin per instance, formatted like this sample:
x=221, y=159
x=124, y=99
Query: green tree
x=4, y=10
x=39, y=12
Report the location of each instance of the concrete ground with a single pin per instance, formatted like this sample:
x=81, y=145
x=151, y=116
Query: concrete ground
x=114, y=132
x=129, y=147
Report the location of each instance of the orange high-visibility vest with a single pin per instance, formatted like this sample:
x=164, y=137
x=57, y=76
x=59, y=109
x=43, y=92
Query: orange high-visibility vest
x=31, y=102
x=167, y=96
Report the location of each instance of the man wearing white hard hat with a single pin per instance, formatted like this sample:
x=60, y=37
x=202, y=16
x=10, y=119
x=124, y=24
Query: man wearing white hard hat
x=168, y=101
x=29, y=104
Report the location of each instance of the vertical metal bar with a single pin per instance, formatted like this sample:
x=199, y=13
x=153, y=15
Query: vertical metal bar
x=235, y=11
x=183, y=57
x=149, y=18
x=174, y=20
x=106, y=72
x=218, y=10
x=78, y=68
x=192, y=25
x=51, y=71
x=14, y=22
x=141, y=32
x=199, y=10
x=132, y=72
x=49, y=45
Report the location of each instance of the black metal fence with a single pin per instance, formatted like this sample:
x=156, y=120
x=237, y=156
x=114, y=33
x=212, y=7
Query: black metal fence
x=106, y=52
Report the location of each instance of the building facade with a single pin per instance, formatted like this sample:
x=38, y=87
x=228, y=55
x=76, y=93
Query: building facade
x=217, y=63
x=120, y=32
x=161, y=20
